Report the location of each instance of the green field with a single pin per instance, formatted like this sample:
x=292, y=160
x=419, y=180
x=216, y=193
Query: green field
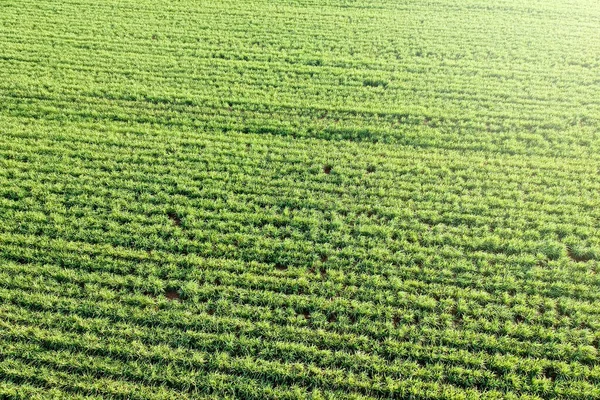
x=300, y=199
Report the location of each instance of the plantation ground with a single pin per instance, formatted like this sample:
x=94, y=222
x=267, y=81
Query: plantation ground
x=291, y=199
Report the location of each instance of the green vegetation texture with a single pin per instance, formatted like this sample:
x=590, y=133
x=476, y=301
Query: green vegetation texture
x=269, y=199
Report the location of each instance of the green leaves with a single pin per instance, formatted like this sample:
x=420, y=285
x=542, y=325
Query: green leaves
x=289, y=200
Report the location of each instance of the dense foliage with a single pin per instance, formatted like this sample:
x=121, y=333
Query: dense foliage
x=289, y=199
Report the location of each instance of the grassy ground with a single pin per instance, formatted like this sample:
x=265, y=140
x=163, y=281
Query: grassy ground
x=291, y=199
